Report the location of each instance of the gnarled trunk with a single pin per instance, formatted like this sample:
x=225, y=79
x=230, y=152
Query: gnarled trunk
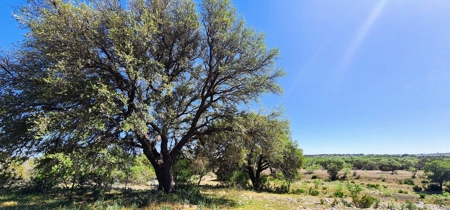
x=164, y=175
x=255, y=175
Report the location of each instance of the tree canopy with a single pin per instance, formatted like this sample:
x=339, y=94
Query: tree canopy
x=148, y=75
x=438, y=171
x=251, y=143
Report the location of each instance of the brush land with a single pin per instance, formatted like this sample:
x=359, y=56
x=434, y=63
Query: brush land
x=313, y=191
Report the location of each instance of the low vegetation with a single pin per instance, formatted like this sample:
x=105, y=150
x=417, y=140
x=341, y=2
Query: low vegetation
x=371, y=189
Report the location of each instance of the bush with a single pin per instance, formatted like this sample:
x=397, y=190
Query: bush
x=402, y=191
x=239, y=179
x=298, y=191
x=182, y=172
x=365, y=201
x=410, y=205
x=283, y=189
x=425, y=181
x=333, y=167
x=422, y=195
x=417, y=188
x=373, y=186
x=313, y=192
x=339, y=194
x=408, y=181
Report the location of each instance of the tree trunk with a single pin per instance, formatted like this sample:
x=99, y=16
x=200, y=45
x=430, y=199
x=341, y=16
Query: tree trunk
x=168, y=183
x=164, y=175
x=159, y=176
x=200, y=176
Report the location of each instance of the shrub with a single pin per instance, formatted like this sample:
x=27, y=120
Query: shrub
x=425, y=181
x=182, y=172
x=317, y=183
x=333, y=167
x=239, y=179
x=408, y=181
x=339, y=194
x=298, y=191
x=313, y=192
x=410, y=205
x=374, y=186
x=283, y=189
x=417, y=188
x=422, y=195
x=365, y=201
x=402, y=191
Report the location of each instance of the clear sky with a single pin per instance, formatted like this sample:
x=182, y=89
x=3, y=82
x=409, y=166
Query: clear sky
x=368, y=76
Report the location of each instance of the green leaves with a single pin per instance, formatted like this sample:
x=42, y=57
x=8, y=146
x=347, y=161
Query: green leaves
x=438, y=171
x=152, y=74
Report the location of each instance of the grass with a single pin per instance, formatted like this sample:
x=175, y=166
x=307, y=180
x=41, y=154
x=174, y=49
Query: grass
x=389, y=193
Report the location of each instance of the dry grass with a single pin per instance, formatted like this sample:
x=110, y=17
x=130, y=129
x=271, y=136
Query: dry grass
x=390, y=193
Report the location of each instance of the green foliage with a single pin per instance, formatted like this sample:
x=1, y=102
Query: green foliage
x=183, y=172
x=333, y=166
x=140, y=172
x=239, y=179
x=422, y=195
x=75, y=170
x=373, y=186
x=252, y=143
x=292, y=161
x=410, y=206
x=299, y=191
x=282, y=189
x=364, y=201
x=317, y=183
x=313, y=192
x=375, y=162
x=438, y=171
x=11, y=172
x=402, y=191
x=354, y=189
x=311, y=165
x=339, y=194
x=408, y=181
x=147, y=76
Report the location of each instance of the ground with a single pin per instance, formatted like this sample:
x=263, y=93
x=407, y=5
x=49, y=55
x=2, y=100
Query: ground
x=392, y=194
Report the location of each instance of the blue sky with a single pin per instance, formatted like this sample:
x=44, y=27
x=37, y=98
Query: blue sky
x=368, y=76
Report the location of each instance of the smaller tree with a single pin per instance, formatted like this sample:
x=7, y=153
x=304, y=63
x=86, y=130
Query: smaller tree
x=333, y=166
x=413, y=170
x=390, y=165
x=313, y=167
x=438, y=171
x=293, y=160
x=200, y=167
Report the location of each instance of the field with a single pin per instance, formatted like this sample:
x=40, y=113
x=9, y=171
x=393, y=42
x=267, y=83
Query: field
x=389, y=189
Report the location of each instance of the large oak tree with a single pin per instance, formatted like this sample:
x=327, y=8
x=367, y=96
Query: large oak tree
x=146, y=75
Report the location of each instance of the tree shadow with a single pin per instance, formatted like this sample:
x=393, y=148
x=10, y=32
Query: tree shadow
x=120, y=197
